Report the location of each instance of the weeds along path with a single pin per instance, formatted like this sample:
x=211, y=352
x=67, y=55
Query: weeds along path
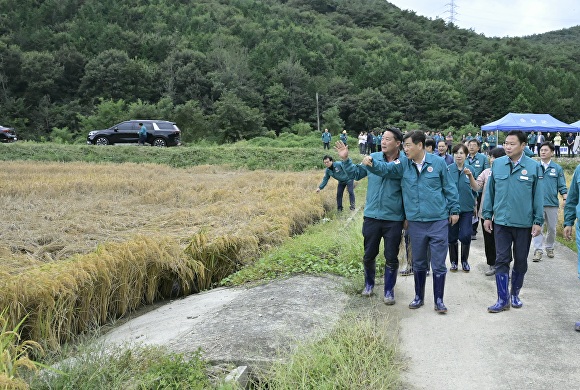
x=83, y=243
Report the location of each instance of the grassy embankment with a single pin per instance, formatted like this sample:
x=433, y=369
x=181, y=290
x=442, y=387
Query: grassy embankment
x=64, y=287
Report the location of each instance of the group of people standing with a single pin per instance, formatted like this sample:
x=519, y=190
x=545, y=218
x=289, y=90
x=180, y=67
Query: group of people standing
x=432, y=198
x=536, y=140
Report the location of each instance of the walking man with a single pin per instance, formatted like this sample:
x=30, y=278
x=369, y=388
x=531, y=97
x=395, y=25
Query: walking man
x=514, y=202
x=553, y=182
x=383, y=214
x=571, y=215
x=431, y=203
x=335, y=169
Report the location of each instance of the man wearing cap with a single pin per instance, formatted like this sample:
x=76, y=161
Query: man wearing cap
x=383, y=214
x=343, y=137
x=431, y=202
x=513, y=208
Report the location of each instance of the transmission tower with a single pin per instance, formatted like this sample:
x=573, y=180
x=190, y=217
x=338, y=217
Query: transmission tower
x=452, y=19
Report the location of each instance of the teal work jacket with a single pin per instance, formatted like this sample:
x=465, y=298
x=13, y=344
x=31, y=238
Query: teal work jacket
x=336, y=171
x=479, y=162
x=429, y=195
x=514, y=195
x=553, y=182
x=326, y=137
x=384, y=199
x=466, y=195
x=572, y=207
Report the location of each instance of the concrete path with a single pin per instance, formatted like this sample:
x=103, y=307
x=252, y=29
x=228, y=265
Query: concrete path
x=531, y=348
x=535, y=347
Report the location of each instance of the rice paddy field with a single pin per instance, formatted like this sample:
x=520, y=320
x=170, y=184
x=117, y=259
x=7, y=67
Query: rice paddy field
x=84, y=243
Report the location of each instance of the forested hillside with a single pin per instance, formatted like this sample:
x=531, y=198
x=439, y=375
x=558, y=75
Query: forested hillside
x=232, y=69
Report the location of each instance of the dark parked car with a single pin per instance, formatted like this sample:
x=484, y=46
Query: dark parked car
x=159, y=133
x=7, y=134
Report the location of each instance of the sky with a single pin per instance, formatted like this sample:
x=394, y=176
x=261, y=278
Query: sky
x=500, y=18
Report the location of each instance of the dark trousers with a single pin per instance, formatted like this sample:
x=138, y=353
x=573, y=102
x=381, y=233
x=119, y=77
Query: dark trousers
x=431, y=236
x=571, y=150
x=557, y=150
x=511, y=241
x=462, y=229
x=489, y=245
x=370, y=148
x=375, y=230
x=340, y=193
x=474, y=226
x=326, y=145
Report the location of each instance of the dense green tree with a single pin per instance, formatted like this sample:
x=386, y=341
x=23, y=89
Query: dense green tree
x=234, y=120
x=113, y=75
x=40, y=73
x=520, y=104
x=331, y=120
x=373, y=62
x=275, y=108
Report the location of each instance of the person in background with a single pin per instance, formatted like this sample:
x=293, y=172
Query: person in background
x=480, y=185
x=553, y=182
x=461, y=231
x=513, y=209
x=449, y=142
x=557, y=143
x=539, y=141
x=383, y=215
x=491, y=140
x=571, y=215
x=326, y=138
x=344, y=137
x=479, y=139
x=142, y=134
x=362, y=142
x=335, y=169
x=430, y=145
x=370, y=142
x=479, y=162
x=469, y=137
x=378, y=139
x=431, y=203
x=442, y=152
x=570, y=143
x=532, y=138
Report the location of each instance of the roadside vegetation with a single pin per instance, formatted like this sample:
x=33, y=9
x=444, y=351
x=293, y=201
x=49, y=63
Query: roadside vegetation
x=73, y=227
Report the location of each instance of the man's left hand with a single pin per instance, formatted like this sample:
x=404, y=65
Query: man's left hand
x=536, y=230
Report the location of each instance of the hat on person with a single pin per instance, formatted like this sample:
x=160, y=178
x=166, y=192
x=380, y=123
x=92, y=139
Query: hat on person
x=344, y=131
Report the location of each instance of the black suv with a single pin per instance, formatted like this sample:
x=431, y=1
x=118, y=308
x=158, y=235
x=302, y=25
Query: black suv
x=159, y=133
x=7, y=134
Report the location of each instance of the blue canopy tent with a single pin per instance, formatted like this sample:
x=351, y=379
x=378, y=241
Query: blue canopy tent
x=530, y=122
x=576, y=125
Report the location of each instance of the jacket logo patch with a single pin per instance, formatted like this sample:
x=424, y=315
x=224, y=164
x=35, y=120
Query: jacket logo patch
x=524, y=172
x=430, y=169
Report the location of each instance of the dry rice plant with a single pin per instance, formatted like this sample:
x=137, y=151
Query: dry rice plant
x=14, y=355
x=81, y=244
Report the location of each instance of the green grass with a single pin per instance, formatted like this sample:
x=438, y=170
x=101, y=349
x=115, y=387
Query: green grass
x=239, y=155
x=92, y=366
x=360, y=353
x=332, y=246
